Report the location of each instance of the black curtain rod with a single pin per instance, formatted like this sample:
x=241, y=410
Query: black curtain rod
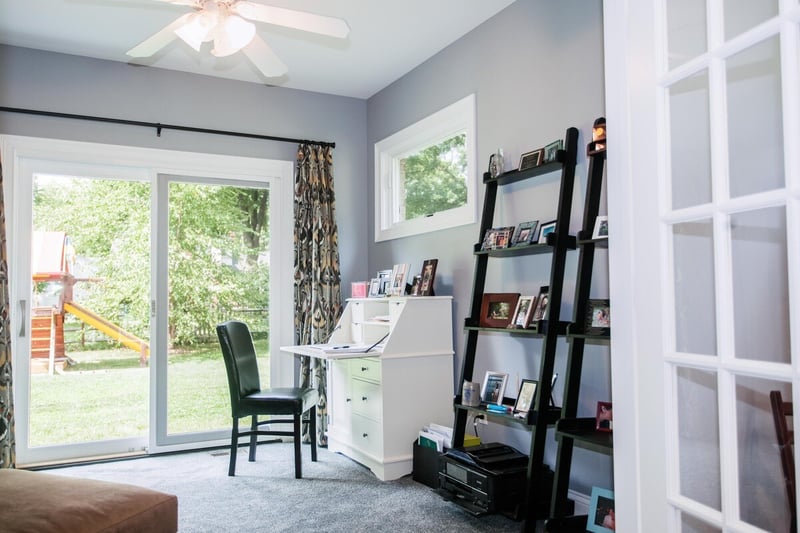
x=158, y=126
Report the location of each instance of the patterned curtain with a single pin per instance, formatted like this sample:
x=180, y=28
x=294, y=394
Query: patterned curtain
x=317, y=280
x=7, y=452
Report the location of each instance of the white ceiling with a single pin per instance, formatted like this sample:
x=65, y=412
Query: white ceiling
x=387, y=38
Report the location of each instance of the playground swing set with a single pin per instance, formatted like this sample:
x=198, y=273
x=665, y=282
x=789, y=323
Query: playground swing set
x=53, y=261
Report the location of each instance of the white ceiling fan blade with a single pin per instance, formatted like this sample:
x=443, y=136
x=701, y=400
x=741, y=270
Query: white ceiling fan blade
x=156, y=42
x=265, y=60
x=300, y=20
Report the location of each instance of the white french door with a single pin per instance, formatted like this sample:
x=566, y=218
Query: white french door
x=703, y=109
x=159, y=410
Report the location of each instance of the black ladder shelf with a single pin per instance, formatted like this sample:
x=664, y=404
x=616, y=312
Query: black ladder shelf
x=572, y=431
x=538, y=494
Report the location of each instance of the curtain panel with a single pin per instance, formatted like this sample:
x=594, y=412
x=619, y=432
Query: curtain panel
x=317, y=278
x=7, y=449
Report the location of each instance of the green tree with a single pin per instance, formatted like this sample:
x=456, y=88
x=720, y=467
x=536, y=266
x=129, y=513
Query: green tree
x=435, y=178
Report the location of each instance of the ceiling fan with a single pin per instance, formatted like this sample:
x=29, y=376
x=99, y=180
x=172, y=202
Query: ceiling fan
x=227, y=23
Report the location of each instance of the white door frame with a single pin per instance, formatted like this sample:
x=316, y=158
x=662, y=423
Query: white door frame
x=278, y=175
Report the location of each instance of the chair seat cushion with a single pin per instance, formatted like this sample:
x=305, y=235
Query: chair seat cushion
x=279, y=401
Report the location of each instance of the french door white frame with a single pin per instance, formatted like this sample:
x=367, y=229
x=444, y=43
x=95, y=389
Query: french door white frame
x=646, y=497
x=19, y=153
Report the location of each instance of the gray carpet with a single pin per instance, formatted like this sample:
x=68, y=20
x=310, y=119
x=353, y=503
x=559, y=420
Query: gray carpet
x=335, y=494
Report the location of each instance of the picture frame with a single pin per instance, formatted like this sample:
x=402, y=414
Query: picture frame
x=494, y=386
x=531, y=159
x=385, y=280
x=551, y=150
x=503, y=238
x=488, y=239
x=525, y=233
x=604, y=418
x=497, y=309
x=598, y=317
x=540, y=310
x=374, y=287
x=523, y=312
x=526, y=396
x=415, y=285
x=601, y=518
x=428, y=275
x=399, y=275
x=600, y=227
x=546, y=229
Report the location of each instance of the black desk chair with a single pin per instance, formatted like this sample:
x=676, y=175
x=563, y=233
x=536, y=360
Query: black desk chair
x=781, y=413
x=248, y=399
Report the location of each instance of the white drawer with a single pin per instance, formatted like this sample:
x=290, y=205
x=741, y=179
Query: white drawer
x=367, y=436
x=367, y=398
x=366, y=369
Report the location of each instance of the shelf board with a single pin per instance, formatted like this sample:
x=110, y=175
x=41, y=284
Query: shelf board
x=582, y=431
x=599, y=243
x=553, y=414
x=513, y=176
x=541, y=332
x=567, y=524
x=527, y=249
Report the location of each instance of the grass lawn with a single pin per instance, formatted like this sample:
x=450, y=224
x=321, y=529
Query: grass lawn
x=105, y=395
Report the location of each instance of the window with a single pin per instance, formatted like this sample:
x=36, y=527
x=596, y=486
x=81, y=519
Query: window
x=425, y=174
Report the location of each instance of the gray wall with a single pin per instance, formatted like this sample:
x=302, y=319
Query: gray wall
x=71, y=84
x=536, y=68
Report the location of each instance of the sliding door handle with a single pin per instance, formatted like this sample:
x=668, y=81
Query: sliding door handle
x=23, y=313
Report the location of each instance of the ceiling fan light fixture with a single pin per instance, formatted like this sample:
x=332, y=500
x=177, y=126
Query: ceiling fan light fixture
x=198, y=29
x=231, y=35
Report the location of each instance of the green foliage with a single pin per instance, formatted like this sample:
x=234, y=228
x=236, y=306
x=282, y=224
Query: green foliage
x=218, y=236
x=435, y=178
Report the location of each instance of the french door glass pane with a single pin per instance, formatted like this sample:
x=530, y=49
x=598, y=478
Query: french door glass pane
x=695, y=314
x=690, y=524
x=690, y=154
x=698, y=436
x=741, y=15
x=762, y=492
x=760, y=284
x=686, y=27
x=755, y=125
x=91, y=312
x=218, y=271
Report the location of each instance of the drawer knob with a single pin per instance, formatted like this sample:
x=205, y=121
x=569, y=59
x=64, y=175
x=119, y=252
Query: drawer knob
x=348, y=399
x=363, y=398
x=364, y=369
x=364, y=435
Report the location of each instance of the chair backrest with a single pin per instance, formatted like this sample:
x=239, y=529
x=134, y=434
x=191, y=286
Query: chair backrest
x=780, y=412
x=239, y=354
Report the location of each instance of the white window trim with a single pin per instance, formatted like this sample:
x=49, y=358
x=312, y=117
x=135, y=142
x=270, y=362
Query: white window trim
x=452, y=120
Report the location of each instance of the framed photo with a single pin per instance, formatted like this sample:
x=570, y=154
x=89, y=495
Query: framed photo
x=546, y=229
x=598, y=317
x=415, y=285
x=525, y=233
x=531, y=159
x=551, y=150
x=526, y=396
x=374, y=287
x=494, y=385
x=385, y=281
x=523, y=311
x=497, y=309
x=600, y=228
x=540, y=311
x=399, y=274
x=428, y=276
x=489, y=238
x=605, y=417
x=503, y=238
x=601, y=517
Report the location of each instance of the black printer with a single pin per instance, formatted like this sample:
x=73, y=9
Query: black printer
x=487, y=478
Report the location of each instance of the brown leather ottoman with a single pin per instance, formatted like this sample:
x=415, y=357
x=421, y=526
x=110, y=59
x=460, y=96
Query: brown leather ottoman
x=47, y=503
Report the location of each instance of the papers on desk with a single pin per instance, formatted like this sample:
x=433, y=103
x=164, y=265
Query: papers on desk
x=436, y=436
x=341, y=348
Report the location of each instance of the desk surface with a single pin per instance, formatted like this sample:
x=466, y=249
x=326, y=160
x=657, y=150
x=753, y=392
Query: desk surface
x=334, y=351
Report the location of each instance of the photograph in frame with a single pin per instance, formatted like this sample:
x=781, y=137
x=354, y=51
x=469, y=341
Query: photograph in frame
x=503, y=238
x=545, y=230
x=494, y=386
x=497, y=309
x=385, y=279
x=531, y=159
x=551, y=150
x=601, y=517
x=374, y=288
x=526, y=396
x=415, y=285
x=488, y=239
x=525, y=233
x=604, y=419
x=523, y=312
x=540, y=310
x=399, y=274
x=598, y=317
x=428, y=276
x=600, y=228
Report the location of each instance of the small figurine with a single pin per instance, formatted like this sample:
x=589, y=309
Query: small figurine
x=598, y=143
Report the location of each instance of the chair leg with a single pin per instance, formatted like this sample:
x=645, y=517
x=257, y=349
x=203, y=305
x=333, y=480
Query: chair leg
x=298, y=466
x=234, y=445
x=253, y=438
x=312, y=428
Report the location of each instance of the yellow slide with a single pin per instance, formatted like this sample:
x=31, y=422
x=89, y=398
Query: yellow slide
x=109, y=328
